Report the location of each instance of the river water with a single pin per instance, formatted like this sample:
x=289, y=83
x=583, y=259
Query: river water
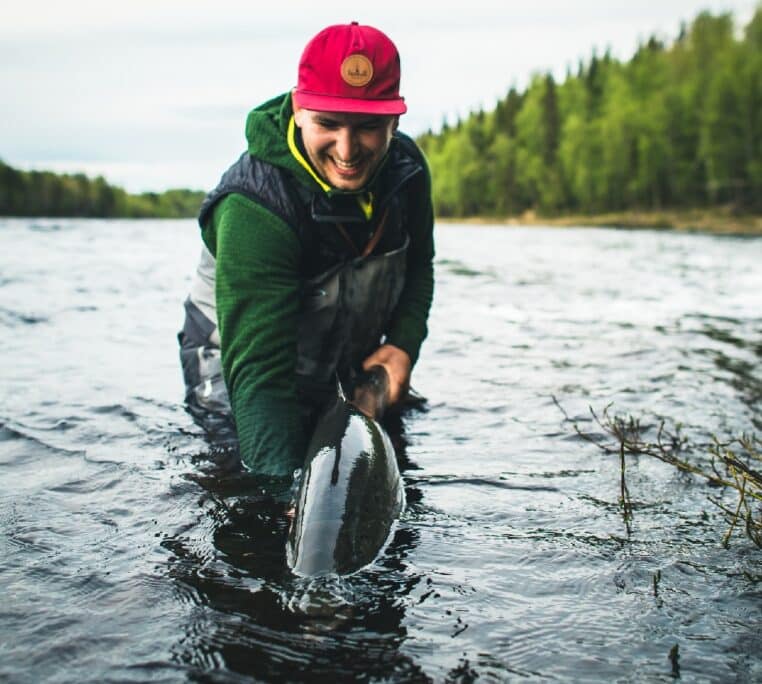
x=129, y=551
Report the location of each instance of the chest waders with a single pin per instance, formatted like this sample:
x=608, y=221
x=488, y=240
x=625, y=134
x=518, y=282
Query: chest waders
x=342, y=320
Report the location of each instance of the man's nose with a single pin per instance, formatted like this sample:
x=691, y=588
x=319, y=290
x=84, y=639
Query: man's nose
x=345, y=143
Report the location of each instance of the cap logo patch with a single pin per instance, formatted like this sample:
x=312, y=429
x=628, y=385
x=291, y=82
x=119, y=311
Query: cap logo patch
x=356, y=70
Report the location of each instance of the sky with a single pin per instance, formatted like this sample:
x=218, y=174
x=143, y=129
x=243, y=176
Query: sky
x=154, y=94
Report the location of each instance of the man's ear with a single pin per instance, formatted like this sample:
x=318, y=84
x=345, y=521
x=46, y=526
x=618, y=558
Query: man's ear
x=396, y=123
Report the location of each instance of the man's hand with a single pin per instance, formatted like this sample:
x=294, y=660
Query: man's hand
x=397, y=364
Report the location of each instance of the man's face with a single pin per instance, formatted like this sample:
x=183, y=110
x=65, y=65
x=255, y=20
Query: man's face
x=345, y=149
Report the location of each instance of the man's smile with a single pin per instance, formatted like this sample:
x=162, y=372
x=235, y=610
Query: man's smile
x=348, y=168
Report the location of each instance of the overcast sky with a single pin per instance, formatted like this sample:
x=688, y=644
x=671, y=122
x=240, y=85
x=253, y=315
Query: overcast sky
x=154, y=94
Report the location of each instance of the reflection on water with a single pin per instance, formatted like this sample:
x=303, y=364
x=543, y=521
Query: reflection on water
x=135, y=548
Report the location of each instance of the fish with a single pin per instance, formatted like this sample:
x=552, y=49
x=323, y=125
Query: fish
x=351, y=492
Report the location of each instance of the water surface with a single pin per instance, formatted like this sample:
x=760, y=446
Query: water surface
x=131, y=551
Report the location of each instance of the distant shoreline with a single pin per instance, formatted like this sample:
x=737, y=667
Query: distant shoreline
x=717, y=221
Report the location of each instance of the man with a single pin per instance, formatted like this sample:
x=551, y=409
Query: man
x=318, y=250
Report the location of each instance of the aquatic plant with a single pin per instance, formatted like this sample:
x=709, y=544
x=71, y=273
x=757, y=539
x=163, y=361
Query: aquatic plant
x=734, y=464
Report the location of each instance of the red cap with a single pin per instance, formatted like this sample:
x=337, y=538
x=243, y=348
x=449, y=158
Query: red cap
x=350, y=68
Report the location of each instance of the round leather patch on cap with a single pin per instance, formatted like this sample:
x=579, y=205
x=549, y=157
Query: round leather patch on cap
x=356, y=70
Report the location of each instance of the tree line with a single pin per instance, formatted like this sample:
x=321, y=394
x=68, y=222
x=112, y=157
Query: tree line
x=677, y=126
x=43, y=193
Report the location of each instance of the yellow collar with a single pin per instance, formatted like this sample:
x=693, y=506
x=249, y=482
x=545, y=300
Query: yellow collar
x=291, y=139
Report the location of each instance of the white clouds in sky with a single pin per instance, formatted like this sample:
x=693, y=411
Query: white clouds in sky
x=155, y=94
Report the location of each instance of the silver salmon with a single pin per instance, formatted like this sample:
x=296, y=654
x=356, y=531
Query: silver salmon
x=351, y=492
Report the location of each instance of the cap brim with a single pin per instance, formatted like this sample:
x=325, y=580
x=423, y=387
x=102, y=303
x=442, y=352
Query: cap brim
x=328, y=103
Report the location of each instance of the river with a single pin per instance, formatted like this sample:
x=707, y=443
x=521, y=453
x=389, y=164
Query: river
x=130, y=552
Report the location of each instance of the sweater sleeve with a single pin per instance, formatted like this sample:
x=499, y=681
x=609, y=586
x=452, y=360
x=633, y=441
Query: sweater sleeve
x=257, y=287
x=408, y=328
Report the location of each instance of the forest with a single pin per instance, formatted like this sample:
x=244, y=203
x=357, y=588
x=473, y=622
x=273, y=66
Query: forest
x=677, y=126
x=43, y=193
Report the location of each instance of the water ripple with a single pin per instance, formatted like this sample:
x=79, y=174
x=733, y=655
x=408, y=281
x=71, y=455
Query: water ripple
x=441, y=480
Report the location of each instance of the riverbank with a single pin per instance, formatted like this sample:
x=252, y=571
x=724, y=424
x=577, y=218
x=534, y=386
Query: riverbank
x=720, y=220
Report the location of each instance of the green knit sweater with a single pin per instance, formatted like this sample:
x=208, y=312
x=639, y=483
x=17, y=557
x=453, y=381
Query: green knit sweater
x=257, y=293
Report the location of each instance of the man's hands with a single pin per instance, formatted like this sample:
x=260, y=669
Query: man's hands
x=397, y=364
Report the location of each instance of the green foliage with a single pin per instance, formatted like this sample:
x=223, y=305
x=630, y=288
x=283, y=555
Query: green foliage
x=677, y=126
x=41, y=193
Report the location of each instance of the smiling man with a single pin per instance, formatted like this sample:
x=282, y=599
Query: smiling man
x=318, y=249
